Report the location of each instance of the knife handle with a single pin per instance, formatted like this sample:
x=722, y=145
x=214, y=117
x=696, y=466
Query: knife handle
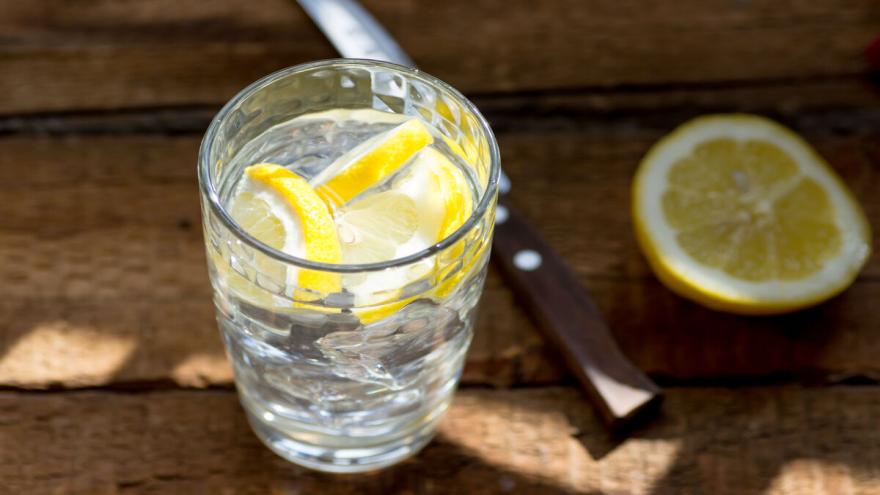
x=570, y=319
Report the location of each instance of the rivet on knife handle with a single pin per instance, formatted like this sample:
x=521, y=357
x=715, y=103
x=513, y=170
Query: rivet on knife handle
x=569, y=317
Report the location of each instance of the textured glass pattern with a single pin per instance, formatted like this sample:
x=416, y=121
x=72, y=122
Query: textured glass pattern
x=338, y=381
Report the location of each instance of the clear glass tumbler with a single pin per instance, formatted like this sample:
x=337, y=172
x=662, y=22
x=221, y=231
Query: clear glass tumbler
x=329, y=380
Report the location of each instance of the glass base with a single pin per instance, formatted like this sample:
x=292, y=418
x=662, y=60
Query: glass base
x=354, y=455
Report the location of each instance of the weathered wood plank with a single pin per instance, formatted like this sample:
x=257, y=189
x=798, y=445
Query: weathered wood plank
x=61, y=56
x=847, y=102
x=778, y=441
x=103, y=258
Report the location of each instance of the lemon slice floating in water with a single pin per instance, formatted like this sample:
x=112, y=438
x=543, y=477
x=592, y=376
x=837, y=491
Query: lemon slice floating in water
x=371, y=162
x=740, y=214
x=442, y=195
x=281, y=209
x=428, y=202
x=420, y=207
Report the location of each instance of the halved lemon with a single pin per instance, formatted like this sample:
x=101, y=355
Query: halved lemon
x=369, y=163
x=281, y=209
x=740, y=214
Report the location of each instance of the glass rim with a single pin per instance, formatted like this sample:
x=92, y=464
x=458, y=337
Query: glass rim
x=207, y=188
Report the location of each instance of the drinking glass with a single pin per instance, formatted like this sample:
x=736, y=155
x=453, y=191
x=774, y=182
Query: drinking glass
x=338, y=381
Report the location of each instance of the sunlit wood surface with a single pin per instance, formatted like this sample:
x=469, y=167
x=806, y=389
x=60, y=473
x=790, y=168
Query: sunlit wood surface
x=112, y=375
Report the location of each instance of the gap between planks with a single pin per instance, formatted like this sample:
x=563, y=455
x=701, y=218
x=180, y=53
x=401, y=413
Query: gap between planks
x=821, y=104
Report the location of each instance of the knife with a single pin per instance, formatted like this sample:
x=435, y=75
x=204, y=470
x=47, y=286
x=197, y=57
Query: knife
x=539, y=277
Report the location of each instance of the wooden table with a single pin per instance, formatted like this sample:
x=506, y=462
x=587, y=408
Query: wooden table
x=112, y=373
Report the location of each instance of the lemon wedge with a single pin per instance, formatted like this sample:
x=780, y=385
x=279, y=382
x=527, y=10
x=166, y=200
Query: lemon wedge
x=441, y=192
x=370, y=162
x=281, y=209
x=740, y=214
x=446, y=206
x=423, y=205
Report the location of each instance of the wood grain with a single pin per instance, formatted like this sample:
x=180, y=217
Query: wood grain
x=60, y=56
x=103, y=263
x=844, y=102
x=775, y=441
x=102, y=104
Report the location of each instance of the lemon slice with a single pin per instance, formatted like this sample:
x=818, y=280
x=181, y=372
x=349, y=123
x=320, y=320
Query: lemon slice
x=739, y=213
x=446, y=201
x=426, y=203
x=281, y=209
x=369, y=163
x=442, y=194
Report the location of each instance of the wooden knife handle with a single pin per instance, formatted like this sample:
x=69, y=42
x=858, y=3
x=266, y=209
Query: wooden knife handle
x=565, y=312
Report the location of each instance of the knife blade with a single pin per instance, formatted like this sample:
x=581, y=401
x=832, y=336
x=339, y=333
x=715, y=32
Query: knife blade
x=541, y=280
x=354, y=32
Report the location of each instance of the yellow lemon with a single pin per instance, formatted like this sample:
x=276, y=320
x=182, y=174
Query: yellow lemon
x=441, y=193
x=371, y=162
x=740, y=214
x=446, y=207
x=282, y=210
x=425, y=204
